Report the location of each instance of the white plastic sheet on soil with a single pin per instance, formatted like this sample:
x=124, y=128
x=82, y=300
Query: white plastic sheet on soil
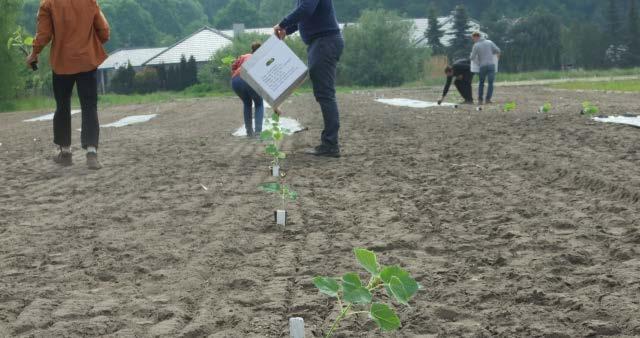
x=48, y=117
x=129, y=120
x=628, y=120
x=291, y=126
x=413, y=103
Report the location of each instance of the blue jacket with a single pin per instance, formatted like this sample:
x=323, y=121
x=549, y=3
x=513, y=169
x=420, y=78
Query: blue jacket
x=313, y=18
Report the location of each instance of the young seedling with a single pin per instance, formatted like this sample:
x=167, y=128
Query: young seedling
x=286, y=194
x=351, y=293
x=510, y=106
x=545, y=108
x=22, y=43
x=274, y=137
x=589, y=108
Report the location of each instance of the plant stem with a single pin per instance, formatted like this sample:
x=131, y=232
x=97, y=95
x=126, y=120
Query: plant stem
x=342, y=315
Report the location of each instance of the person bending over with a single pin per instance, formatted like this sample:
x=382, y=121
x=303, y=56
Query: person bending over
x=248, y=96
x=78, y=30
x=318, y=26
x=461, y=71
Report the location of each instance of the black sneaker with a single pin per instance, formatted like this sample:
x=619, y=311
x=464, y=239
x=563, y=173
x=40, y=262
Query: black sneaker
x=324, y=151
x=64, y=159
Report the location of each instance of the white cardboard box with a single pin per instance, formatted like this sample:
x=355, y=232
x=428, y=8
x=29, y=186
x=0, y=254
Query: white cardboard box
x=274, y=71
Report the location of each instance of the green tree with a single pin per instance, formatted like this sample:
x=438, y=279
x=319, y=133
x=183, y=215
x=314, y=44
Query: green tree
x=192, y=71
x=434, y=33
x=146, y=81
x=633, y=33
x=9, y=60
x=183, y=71
x=380, y=51
x=133, y=26
x=461, y=43
x=178, y=17
x=123, y=80
x=237, y=11
x=613, y=22
x=535, y=43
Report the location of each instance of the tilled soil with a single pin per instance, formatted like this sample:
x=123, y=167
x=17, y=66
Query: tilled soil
x=517, y=224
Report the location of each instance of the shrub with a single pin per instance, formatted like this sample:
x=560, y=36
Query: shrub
x=146, y=81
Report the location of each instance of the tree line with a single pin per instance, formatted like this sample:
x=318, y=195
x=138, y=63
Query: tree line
x=534, y=35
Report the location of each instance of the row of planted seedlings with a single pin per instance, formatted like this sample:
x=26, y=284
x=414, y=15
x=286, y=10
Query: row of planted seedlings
x=354, y=297
x=273, y=148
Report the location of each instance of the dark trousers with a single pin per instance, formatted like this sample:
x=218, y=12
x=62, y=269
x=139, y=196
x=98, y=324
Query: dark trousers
x=464, y=88
x=324, y=54
x=88, y=92
x=249, y=97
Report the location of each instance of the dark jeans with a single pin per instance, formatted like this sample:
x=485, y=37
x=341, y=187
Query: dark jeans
x=487, y=73
x=464, y=88
x=249, y=97
x=88, y=92
x=324, y=54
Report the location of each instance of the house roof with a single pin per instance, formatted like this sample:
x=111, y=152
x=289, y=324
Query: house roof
x=202, y=45
x=137, y=57
x=447, y=26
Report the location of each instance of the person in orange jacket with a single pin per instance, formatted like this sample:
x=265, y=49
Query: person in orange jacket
x=78, y=30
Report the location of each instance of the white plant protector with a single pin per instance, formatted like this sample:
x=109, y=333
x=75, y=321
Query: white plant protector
x=628, y=120
x=413, y=103
x=129, y=120
x=290, y=125
x=48, y=117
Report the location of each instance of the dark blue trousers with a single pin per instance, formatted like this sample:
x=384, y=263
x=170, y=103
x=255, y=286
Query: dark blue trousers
x=324, y=54
x=249, y=97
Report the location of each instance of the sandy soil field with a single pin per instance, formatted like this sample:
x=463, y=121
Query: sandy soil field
x=517, y=224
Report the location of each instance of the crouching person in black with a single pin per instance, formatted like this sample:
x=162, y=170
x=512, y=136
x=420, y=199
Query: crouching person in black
x=461, y=71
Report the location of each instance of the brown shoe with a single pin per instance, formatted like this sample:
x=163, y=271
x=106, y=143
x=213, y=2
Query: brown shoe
x=92, y=162
x=64, y=159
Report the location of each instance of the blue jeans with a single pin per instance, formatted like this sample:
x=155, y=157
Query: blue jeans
x=487, y=73
x=324, y=54
x=249, y=97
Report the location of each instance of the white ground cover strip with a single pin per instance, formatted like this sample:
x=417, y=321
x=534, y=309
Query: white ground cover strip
x=290, y=125
x=628, y=120
x=413, y=103
x=129, y=120
x=48, y=117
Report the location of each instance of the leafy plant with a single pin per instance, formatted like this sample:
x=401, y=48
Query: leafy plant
x=228, y=61
x=589, y=108
x=274, y=137
x=510, y=106
x=281, y=189
x=350, y=292
x=22, y=42
x=546, y=107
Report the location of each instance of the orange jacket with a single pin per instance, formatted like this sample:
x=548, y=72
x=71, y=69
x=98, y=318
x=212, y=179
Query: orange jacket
x=237, y=65
x=78, y=29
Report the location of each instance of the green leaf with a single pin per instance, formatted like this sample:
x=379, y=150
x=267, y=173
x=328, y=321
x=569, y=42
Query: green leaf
x=271, y=187
x=292, y=195
x=278, y=136
x=272, y=150
x=409, y=285
x=368, y=260
x=326, y=285
x=275, y=117
x=399, y=291
x=385, y=317
x=266, y=135
x=228, y=61
x=280, y=155
x=28, y=41
x=354, y=292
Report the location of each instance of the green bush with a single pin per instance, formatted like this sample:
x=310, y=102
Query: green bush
x=379, y=51
x=146, y=81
